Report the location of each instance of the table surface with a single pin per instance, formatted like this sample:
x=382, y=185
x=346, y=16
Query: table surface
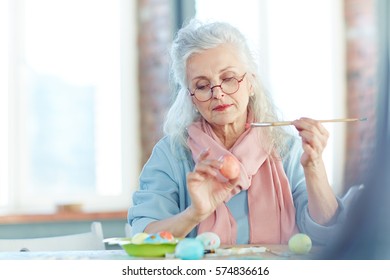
x=255, y=252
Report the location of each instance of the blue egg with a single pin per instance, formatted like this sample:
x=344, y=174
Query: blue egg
x=189, y=249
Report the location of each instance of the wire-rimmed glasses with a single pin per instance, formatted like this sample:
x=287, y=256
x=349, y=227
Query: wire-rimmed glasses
x=204, y=92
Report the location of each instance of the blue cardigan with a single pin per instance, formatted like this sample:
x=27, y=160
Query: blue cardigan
x=163, y=193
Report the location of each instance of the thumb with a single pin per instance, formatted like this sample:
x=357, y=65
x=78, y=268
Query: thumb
x=233, y=183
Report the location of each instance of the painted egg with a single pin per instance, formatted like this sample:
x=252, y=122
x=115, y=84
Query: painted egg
x=139, y=238
x=189, y=249
x=166, y=235
x=230, y=167
x=153, y=238
x=159, y=237
x=210, y=240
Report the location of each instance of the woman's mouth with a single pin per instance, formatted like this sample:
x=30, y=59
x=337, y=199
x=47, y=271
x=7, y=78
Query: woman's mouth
x=221, y=107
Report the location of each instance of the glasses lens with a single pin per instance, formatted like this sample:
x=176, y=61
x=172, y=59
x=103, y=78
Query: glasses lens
x=203, y=93
x=230, y=86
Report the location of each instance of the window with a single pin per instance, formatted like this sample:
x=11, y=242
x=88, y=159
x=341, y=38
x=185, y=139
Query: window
x=3, y=103
x=71, y=105
x=299, y=47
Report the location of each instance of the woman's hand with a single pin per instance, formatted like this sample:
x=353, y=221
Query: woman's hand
x=314, y=139
x=206, y=191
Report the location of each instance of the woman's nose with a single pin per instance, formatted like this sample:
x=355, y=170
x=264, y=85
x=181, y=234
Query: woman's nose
x=217, y=93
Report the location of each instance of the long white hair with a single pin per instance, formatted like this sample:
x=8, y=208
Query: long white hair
x=196, y=37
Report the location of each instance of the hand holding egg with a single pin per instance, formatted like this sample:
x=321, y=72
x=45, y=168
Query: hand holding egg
x=210, y=183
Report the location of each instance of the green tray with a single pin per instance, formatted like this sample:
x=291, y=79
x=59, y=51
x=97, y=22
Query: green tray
x=144, y=249
x=149, y=250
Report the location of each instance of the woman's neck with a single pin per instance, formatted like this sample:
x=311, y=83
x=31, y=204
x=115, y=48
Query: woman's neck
x=229, y=133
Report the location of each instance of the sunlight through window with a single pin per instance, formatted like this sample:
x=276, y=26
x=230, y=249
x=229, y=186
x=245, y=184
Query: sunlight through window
x=4, y=103
x=70, y=123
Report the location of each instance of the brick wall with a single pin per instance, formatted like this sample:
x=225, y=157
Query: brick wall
x=361, y=53
x=155, y=36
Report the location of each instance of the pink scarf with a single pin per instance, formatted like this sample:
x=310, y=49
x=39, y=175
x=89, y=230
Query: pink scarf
x=271, y=207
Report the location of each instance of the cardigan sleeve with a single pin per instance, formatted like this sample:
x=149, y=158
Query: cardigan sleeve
x=318, y=233
x=158, y=195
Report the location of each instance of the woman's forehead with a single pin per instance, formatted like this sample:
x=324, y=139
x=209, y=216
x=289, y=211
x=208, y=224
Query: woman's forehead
x=213, y=61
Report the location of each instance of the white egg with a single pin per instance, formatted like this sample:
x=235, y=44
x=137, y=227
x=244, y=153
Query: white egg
x=210, y=240
x=139, y=238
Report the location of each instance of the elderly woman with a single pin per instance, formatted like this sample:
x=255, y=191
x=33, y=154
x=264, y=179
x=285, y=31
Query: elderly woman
x=282, y=187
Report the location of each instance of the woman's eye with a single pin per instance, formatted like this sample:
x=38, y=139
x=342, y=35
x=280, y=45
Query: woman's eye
x=202, y=87
x=228, y=79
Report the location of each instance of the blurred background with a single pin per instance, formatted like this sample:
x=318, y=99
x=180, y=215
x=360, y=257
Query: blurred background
x=84, y=88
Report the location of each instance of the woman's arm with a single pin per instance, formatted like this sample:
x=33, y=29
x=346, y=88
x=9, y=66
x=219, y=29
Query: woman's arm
x=206, y=192
x=322, y=203
x=179, y=225
x=161, y=204
x=161, y=196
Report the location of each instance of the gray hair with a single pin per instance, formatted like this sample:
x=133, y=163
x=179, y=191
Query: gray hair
x=195, y=38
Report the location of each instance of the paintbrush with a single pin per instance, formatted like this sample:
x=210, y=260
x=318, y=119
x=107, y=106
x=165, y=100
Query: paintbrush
x=281, y=123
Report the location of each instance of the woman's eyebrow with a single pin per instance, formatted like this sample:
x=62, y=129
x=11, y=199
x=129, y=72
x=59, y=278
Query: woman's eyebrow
x=228, y=68
x=199, y=77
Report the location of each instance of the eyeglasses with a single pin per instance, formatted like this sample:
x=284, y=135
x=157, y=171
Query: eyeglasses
x=204, y=92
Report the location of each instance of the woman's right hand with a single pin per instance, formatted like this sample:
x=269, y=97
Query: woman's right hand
x=206, y=191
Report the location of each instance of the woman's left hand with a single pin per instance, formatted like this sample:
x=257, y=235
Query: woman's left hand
x=314, y=139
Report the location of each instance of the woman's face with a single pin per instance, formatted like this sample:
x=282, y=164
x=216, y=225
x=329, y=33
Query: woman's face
x=212, y=67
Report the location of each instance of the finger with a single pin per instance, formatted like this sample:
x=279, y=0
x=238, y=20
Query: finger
x=205, y=167
x=309, y=156
x=308, y=149
x=311, y=144
x=211, y=162
x=305, y=124
x=315, y=139
x=310, y=124
x=204, y=154
x=234, y=182
x=206, y=171
x=193, y=177
x=309, y=137
x=217, y=164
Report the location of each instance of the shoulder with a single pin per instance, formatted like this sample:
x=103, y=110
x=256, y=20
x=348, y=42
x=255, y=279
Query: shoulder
x=170, y=148
x=169, y=156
